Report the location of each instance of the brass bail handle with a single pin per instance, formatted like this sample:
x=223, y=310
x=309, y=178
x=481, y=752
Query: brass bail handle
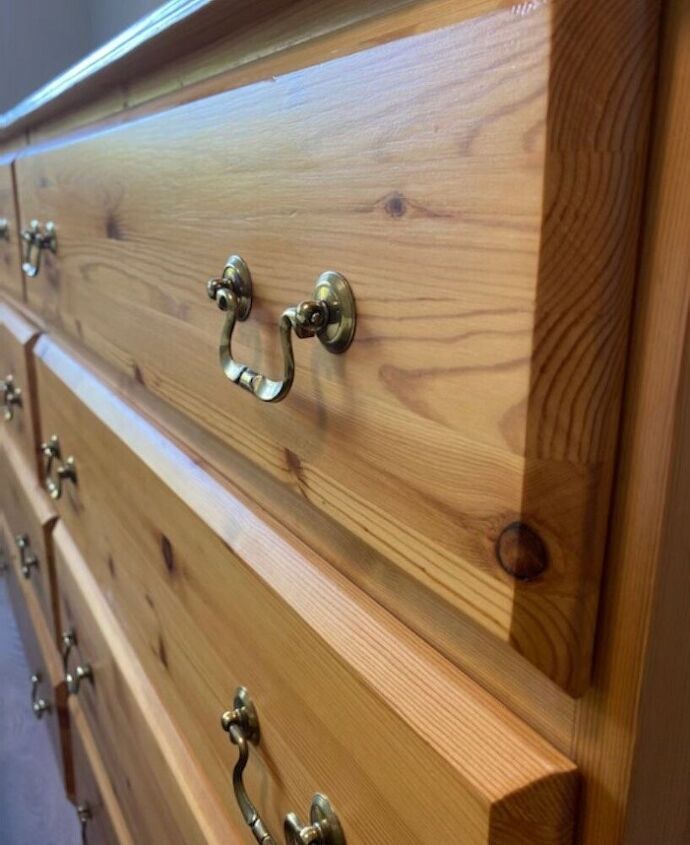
x=35, y=240
x=38, y=705
x=27, y=559
x=55, y=471
x=4, y=229
x=11, y=396
x=82, y=672
x=330, y=316
x=84, y=815
x=242, y=724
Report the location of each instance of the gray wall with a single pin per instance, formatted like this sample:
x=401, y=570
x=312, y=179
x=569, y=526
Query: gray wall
x=41, y=38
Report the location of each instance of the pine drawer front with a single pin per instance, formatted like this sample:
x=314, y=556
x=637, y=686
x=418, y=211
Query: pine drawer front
x=45, y=690
x=351, y=703
x=30, y=518
x=96, y=804
x=17, y=414
x=10, y=268
x=154, y=776
x=455, y=461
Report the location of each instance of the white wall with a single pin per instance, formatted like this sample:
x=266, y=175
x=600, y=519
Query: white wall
x=41, y=38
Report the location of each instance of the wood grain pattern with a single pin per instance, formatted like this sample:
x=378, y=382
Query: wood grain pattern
x=153, y=772
x=632, y=729
x=92, y=785
x=28, y=512
x=10, y=249
x=151, y=57
x=42, y=659
x=17, y=337
x=454, y=367
x=210, y=596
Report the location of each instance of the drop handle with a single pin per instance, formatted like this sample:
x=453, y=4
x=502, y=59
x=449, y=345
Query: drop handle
x=39, y=705
x=242, y=724
x=84, y=816
x=11, y=397
x=54, y=469
x=330, y=316
x=4, y=229
x=82, y=672
x=35, y=240
x=27, y=559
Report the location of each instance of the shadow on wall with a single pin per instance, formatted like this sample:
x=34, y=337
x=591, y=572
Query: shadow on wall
x=41, y=38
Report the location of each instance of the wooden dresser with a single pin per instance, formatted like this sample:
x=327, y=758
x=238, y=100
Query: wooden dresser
x=346, y=445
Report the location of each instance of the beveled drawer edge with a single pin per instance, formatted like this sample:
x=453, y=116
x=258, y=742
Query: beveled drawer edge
x=496, y=754
x=79, y=724
x=179, y=757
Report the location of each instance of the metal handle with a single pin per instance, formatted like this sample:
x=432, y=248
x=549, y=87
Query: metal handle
x=4, y=229
x=242, y=724
x=38, y=705
x=11, y=396
x=330, y=316
x=66, y=471
x=35, y=241
x=83, y=671
x=74, y=679
x=84, y=814
x=27, y=559
x=67, y=641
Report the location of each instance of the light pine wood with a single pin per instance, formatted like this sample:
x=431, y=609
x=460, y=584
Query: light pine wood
x=451, y=417
x=28, y=512
x=351, y=702
x=42, y=659
x=10, y=250
x=633, y=730
x=17, y=337
x=153, y=771
x=92, y=785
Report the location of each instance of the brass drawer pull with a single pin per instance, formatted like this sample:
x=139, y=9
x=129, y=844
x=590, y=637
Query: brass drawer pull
x=27, y=559
x=330, y=316
x=82, y=672
x=242, y=724
x=4, y=229
x=11, y=396
x=38, y=705
x=35, y=241
x=84, y=816
x=66, y=471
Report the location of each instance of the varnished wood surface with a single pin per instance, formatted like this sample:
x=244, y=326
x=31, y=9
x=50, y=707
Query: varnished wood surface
x=174, y=34
x=633, y=736
x=211, y=597
x=43, y=660
x=92, y=786
x=27, y=511
x=452, y=428
x=17, y=337
x=154, y=772
x=10, y=248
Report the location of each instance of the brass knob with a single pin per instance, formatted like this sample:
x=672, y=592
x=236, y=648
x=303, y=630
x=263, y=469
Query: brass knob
x=35, y=240
x=38, y=705
x=54, y=470
x=11, y=396
x=4, y=229
x=330, y=316
x=74, y=679
x=242, y=724
x=27, y=559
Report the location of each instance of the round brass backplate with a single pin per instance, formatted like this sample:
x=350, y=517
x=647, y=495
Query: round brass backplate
x=237, y=275
x=244, y=702
x=322, y=813
x=335, y=290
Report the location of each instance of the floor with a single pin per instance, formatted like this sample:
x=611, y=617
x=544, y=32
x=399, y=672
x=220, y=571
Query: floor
x=33, y=808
